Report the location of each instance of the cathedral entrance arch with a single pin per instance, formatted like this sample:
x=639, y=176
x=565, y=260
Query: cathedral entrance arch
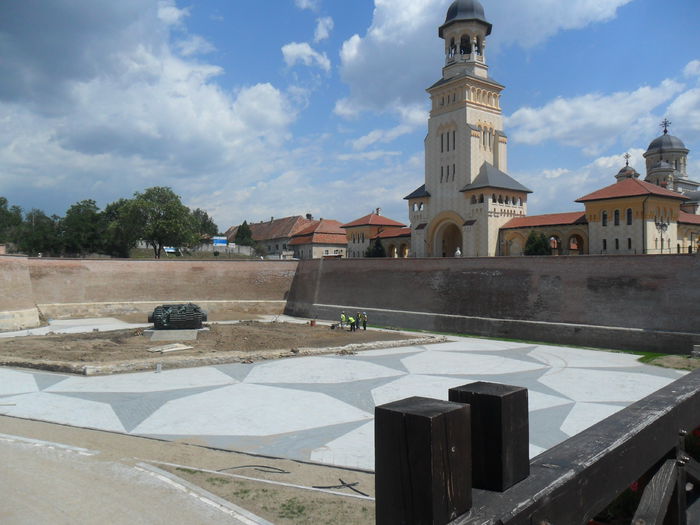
x=445, y=235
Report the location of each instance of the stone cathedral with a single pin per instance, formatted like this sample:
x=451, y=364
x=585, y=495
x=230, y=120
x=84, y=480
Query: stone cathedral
x=468, y=195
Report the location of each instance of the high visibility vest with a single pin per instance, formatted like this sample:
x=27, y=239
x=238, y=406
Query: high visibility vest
x=351, y=320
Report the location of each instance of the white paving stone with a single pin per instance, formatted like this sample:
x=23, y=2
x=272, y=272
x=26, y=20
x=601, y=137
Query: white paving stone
x=249, y=410
x=317, y=370
x=562, y=357
x=65, y=410
x=349, y=450
x=585, y=415
x=602, y=385
x=435, y=362
x=468, y=344
x=15, y=382
x=417, y=385
x=146, y=381
x=538, y=401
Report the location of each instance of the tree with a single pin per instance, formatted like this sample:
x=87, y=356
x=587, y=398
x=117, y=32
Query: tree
x=82, y=229
x=165, y=220
x=376, y=249
x=123, y=227
x=10, y=220
x=537, y=244
x=244, y=235
x=204, y=224
x=39, y=234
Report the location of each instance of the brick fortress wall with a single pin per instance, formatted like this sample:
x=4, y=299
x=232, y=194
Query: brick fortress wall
x=65, y=288
x=629, y=302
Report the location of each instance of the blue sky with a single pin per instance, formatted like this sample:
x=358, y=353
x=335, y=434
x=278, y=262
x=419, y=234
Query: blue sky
x=252, y=109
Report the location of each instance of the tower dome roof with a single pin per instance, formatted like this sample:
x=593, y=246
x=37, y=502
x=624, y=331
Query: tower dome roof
x=463, y=10
x=666, y=141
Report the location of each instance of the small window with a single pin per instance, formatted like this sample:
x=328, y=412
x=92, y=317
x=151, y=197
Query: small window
x=454, y=169
x=325, y=252
x=617, y=244
x=617, y=217
x=605, y=219
x=629, y=243
x=363, y=237
x=454, y=139
x=442, y=142
x=629, y=216
x=442, y=173
x=420, y=207
x=605, y=244
x=493, y=198
x=481, y=198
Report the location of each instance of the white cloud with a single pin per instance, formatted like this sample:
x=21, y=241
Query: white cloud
x=368, y=155
x=169, y=13
x=692, y=69
x=307, y=4
x=555, y=190
x=400, y=54
x=296, y=52
x=593, y=122
x=195, y=45
x=324, y=26
x=126, y=112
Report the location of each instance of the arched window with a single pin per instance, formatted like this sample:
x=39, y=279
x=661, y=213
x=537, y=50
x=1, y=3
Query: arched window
x=465, y=46
x=454, y=137
x=473, y=199
x=363, y=237
x=629, y=216
x=415, y=206
x=605, y=218
x=454, y=169
x=500, y=199
x=605, y=244
x=617, y=217
x=442, y=173
x=481, y=198
x=493, y=198
x=629, y=243
x=442, y=143
x=420, y=207
x=617, y=244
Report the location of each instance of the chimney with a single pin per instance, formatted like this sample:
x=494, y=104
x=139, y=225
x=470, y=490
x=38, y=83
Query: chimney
x=379, y=211
x=309, y=217
x=272, y=219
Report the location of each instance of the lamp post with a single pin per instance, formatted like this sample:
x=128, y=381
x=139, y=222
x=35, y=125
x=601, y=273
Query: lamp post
x=662, y=227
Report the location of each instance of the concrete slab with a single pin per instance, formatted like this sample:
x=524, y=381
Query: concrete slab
x=173, y=335
x=320, y=408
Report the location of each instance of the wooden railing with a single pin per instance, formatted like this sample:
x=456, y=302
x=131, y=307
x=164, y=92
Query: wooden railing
x=432, y=456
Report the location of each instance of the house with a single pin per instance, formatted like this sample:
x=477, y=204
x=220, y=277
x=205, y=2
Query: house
x=273, y=236
x=360, y=232
x=323, y=239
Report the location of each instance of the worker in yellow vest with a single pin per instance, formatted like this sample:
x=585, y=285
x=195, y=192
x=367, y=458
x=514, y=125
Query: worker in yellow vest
x=351, y=322
x=342, y=319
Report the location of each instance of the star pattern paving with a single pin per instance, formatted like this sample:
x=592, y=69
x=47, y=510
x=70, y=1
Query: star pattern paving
x=321, y=408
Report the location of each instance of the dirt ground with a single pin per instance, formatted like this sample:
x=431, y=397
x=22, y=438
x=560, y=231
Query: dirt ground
x=266, y=491
x=679, y=362
x=128, y=350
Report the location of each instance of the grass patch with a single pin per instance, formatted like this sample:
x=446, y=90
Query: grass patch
x=188, y=470
x=292, y=509
x=218, y=481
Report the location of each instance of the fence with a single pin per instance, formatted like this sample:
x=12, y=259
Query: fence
x=431, y=457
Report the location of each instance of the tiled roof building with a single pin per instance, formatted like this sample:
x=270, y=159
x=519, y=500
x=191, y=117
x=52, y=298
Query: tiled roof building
x=323, y=238
x=274, y=235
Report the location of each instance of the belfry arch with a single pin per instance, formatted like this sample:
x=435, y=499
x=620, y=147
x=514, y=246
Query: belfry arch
x=445, y=235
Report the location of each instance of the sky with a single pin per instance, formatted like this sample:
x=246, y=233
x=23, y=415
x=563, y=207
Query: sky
x=254, y=109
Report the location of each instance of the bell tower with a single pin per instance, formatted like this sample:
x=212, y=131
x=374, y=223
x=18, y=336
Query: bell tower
x=467, y=194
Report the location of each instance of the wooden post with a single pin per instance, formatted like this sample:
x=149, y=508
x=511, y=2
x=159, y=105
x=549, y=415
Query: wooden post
x=500, y=433
x=422, y=462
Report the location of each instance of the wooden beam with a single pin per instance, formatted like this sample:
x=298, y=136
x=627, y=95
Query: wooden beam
x=500, y=433
x=575, y=480
x=422, y=462
x=657, y=495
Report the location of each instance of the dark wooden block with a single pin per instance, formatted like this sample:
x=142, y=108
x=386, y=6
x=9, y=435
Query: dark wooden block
x=422, y=462
x=500, y=433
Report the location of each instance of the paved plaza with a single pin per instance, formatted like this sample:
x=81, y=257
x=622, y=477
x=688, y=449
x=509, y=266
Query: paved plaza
x=321, y=408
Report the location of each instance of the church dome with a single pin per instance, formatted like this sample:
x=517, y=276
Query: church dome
x=463, y=10
x=628, y=172
x=666, y=142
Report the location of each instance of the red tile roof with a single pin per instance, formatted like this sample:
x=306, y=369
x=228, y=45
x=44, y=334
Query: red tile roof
x=630, y=188
x=274, y=229
x=373, y=220
x=551, y=219
x=394, y=232
x=325, y=231
x=688, y=218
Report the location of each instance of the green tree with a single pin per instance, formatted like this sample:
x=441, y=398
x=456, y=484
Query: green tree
x=82, y=229
x=376, y=249
x=10, y=220
x=204, y=224
x=537, y=244
x=39, y=233
x=123, y=227
x=244, y=235
x=166, y=221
